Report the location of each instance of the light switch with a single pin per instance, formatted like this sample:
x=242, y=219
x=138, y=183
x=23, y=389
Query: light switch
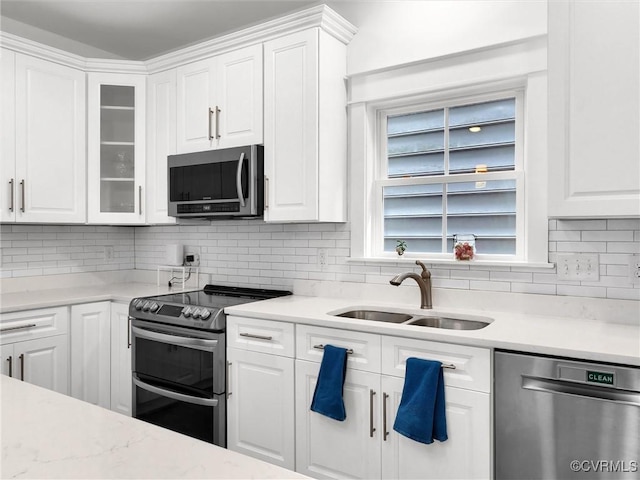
x=578, y=266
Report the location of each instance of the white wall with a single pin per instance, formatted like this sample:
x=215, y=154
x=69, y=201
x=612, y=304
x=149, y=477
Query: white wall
x=395, y=32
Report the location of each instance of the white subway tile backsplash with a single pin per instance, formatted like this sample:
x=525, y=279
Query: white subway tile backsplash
x=250, y=252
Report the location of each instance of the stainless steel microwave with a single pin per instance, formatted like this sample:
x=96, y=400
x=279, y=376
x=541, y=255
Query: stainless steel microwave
x=217, y=183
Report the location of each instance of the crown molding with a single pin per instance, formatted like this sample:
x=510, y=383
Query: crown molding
x=39, y=50
x=320, y=16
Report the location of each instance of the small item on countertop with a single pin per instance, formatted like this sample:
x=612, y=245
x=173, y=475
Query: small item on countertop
x=421, y=415
x=464, y=247
x=327, y=397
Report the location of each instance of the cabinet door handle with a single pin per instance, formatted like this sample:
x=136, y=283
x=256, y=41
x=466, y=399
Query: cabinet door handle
x=23, y=202
x=21, y=357
x=140, y=199
x=229, y=379
x=266, y=192
x=209, y=130
x=385, y=434
x=252, y=335
x=10, y=360
x=371, y=427
x=21, y=327
x=13, y=193
x=217, y=122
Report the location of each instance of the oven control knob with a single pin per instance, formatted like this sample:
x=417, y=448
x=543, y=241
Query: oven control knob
x=205, y=314
x=186, y=311
x=146, y=306
x=196, y=313
x=154, y=307
x=138, y=304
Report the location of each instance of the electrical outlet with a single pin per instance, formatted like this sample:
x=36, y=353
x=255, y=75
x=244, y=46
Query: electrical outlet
x=634, y=268
x=192, y=259
x=322, y=256
x=108, y=252
x=578, y=266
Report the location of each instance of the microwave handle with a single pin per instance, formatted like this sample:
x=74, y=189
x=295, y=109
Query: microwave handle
x=239, y=180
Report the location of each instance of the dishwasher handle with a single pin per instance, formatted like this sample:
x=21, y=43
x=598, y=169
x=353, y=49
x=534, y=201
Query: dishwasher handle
x=564, y=387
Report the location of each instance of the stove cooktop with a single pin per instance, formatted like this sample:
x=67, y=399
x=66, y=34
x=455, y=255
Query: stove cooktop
x=201, y=309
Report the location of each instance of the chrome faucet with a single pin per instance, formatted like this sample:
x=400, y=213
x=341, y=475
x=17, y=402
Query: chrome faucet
x=423, y=280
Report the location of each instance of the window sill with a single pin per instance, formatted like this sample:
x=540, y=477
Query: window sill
x=408, y=260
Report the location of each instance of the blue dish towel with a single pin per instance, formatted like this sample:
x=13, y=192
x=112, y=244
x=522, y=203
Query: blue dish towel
x=327, y=397
x=421, y=414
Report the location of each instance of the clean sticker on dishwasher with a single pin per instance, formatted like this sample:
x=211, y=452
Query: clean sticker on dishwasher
x=600, y=377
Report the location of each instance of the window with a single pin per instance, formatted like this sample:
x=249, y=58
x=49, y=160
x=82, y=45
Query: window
x=452, y=145
x=448, y=170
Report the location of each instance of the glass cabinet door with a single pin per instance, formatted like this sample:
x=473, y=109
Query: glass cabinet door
x=116, y=148
x=117, y=153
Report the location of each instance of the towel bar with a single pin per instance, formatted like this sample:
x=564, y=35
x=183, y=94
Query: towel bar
x=450, y=366
x=321, y=347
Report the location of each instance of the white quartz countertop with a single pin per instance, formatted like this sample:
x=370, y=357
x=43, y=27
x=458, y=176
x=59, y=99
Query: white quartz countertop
x=54, y=297
x=559, y=336
x=49, y=435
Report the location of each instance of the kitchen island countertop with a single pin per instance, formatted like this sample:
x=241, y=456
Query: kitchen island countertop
x=49, y=435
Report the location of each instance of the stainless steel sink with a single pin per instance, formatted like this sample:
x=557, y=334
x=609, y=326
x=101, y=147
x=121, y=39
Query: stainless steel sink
x=376, y=316
x=449, y=321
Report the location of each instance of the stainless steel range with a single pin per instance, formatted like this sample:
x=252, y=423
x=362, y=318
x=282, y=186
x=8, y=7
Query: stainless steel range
x=178, y=350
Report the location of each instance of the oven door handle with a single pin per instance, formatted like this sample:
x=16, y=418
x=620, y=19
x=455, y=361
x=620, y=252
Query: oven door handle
x=198, y=343
x=207, y=402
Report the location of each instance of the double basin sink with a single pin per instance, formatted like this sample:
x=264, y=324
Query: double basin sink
x=431, y=319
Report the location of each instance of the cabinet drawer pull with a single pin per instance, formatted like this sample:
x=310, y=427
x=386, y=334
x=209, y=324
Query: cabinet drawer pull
x=253, y=335
x=22, y=186
x=13, y=193
x=450, y=366
x=229, y=379
x=385, y=433
x=371, y=427
x=10, y=360
x=21, y=357
x=321, y=347
x=21, y=327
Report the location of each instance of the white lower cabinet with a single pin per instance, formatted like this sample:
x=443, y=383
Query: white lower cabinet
x=328, y=448
x=90, y=353
x=261, y=414
x=120, y=359
x=35, y=347
x=466, y=453
x=260, y=405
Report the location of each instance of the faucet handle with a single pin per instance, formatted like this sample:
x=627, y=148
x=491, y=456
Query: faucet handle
x=425, y=273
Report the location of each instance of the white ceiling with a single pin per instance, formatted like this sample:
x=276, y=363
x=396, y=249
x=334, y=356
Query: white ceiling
x=138, y=29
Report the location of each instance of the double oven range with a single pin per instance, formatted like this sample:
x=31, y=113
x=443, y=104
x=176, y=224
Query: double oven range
x=179, y=368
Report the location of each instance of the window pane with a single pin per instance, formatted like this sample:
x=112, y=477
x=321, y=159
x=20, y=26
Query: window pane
x=485, y=209
x=497, y=134
x=415, y=144
x=413, y=214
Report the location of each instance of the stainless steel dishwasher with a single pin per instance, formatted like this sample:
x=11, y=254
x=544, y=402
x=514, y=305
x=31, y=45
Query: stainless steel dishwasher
x=559, y=418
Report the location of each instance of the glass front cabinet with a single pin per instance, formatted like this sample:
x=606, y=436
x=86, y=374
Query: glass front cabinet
x=116, y=166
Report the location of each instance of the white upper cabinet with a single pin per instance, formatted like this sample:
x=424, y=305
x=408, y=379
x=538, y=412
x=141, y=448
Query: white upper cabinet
x=161, y=142
x=43, y=141
x=594, y=119
x=305, y=128
x=116, y=154
x=220, y=101
x=305, y=146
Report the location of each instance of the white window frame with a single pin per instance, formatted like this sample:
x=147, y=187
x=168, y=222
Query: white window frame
x=376, y=247
x=521, y=73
